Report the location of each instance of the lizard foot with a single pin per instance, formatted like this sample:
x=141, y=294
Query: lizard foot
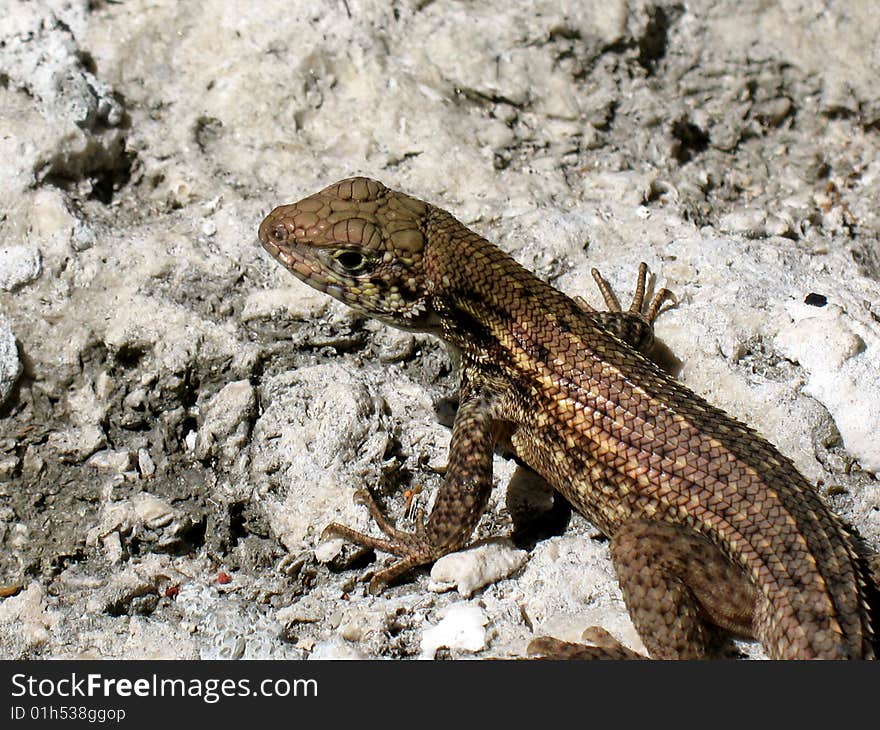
x=605, y=646
x=635, y=325
x=638, y=300
x=413, y=548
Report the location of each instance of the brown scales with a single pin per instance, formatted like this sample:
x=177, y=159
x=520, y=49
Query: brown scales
x=709, y=525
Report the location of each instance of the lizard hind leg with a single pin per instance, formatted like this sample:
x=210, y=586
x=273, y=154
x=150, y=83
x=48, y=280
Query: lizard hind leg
x=679, y=589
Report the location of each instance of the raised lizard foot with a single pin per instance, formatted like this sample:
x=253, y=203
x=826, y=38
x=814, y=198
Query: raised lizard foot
x=638, y=300
x=604, y=646
x=634, y=326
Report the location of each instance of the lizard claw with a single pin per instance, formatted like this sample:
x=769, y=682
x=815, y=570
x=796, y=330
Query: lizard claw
x=637, y=307
x=634, y=325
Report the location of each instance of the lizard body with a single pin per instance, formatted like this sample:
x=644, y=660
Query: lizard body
x=710, y=526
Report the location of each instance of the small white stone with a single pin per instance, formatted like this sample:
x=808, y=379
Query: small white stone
x=470, y=570
x=83, y=238
x=336, y=648
x=841, y=375
x=8, y=465
x=28, y=616
x=18, y=266
x=820, y=337
x=222, y=417
x=462, y=628
x=135, y=399
x=112, y=544
x=328, y=550
x=10, y=363
x=116, y=461
x=153, y=511
x=145, y=463
x=747, y=221
x=77, y=444
x=307, y=610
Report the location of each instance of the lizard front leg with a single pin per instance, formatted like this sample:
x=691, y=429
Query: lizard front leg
x=460, y=502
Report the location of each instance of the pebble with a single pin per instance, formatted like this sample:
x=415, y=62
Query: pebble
x=10, y=363
x=462, y=628
x=19, y=265
x=470, y=570
x=153, y=511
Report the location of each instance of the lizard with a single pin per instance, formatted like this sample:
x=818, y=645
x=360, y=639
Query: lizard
x=712, y=531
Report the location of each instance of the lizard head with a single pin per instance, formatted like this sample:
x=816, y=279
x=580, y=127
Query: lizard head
x=361, y=243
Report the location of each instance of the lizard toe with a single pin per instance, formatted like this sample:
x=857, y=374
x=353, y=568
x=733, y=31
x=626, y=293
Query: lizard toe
x=606, y=647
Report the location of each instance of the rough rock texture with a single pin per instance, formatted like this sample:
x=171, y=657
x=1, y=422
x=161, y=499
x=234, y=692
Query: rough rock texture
x=180, y=418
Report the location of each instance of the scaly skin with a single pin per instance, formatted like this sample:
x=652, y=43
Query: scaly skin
x=710, y=526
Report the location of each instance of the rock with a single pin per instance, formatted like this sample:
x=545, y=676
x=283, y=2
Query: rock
x=152, y=511
x=114, y=461
x=10, y=363
x=145, y=332
x=470, y=570
x=462, y=628
x=77, y=132
x=19, y=265
x=226, y=421
x=145, y=463
x=328, y=455
x=336, y=649
x=29, y=618
x=76, y=444
x=841, y=373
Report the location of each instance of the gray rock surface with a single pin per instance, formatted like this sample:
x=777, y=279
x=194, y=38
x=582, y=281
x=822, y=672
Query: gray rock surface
x=181, y=418
x=10, y=362
x=18, y=266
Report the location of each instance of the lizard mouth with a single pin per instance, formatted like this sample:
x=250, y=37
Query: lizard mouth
x=272, y=248
x=284, y=255
x=306, y=265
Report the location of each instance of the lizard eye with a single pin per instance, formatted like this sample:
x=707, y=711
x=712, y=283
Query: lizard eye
x=278, y=234
x=351, y=261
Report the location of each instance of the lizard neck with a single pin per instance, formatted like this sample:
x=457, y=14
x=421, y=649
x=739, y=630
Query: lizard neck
x=481, y=293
